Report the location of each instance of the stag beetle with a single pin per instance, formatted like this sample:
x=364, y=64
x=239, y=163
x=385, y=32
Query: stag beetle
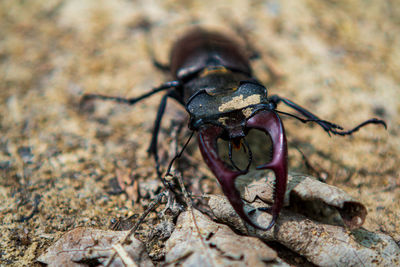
x=213, y=80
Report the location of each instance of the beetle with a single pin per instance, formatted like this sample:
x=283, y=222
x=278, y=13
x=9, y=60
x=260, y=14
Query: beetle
x=214, y=81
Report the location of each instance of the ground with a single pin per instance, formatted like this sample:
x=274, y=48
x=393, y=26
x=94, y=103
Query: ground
x=59, y=164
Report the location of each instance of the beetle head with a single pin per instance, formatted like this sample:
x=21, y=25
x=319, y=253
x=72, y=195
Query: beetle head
x=227, y=107
x=230, y=116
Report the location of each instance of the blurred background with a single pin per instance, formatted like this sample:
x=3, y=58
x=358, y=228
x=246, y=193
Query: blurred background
x=62, y=167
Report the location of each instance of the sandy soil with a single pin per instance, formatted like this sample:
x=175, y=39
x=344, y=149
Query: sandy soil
x=59, y=165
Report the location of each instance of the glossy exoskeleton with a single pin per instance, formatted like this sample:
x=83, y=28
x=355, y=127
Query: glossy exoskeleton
x=213, y=80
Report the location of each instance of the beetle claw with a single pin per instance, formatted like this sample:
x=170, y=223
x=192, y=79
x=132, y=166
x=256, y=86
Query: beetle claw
x=208, y=136
x=270, y=123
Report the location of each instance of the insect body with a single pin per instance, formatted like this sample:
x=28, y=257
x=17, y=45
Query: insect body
x=214, y=81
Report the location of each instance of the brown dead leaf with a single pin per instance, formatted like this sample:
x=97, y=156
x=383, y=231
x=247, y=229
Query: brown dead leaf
x=306, y=195
x=218, y=245
x=88, y=247
x=322, y=244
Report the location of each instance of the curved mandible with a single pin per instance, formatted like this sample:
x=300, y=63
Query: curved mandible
x=208, y=136
x=269, y=122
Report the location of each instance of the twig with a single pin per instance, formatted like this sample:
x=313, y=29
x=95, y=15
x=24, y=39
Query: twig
x=184, y=256
x=152, y=205
x=190, y=206
x=119, y=249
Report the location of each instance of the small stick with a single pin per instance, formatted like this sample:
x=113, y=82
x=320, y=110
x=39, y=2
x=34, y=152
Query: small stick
x=124, y=255
x=152, y=205
x=190, y=206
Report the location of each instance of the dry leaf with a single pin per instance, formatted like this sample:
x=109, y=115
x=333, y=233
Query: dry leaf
x=322, y=244
x=306, y=195
x=88, y=247
x=217, y=246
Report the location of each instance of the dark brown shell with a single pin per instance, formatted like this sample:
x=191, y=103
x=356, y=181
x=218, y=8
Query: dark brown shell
x=200, y=48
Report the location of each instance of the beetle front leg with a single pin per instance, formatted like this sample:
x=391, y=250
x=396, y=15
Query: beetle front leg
x=153, y=147
x=329, y=127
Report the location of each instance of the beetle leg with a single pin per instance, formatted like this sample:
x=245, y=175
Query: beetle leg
x=269, y=122
x=159, y=65
x=150, y=51
x=153, y=149
x=250, y=154
x=130, y=101
x=326, y=125
x=230, y=156
x=355, y=129
x=246, y=149
x=207, y=137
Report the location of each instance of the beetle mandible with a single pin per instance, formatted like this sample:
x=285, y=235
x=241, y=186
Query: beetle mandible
x=213, y=80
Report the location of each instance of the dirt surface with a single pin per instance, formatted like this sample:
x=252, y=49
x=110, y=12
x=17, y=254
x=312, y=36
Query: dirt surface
x=60, y=165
